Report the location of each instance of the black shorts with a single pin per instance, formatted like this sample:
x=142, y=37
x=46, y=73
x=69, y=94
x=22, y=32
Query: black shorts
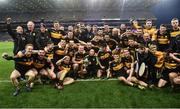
x=70, y=74
x=165, y=73
x=22, y=69
x=39, y=69
x=162, y=47
x=92, y=69
x=120, y=73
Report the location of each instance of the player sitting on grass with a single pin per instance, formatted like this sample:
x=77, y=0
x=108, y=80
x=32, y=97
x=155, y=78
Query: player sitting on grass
x=23, y=67
x=128, y=62
x=65, y=74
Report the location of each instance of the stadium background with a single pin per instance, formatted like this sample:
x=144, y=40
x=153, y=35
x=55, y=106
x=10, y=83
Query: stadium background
x=84, y=94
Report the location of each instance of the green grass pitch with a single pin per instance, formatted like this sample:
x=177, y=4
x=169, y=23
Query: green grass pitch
x=81, y=94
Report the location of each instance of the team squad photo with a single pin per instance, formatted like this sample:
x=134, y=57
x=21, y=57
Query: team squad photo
x=138, y=55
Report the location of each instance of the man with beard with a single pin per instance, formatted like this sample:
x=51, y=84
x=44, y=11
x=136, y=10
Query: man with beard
x=43, y=66
x=175, y=35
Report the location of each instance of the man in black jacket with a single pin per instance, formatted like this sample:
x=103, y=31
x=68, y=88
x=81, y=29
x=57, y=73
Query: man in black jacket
x=43, y=37
x=19, y=37
x=31, y=33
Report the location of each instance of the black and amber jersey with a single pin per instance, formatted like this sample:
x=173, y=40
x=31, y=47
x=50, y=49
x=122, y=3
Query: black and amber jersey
x=56, y=36
x=174, y=33
x=163, y=39
x=151, y=31
x=160, y=59
x=65, y=66
x=104, y=57
x=128, y=60
x=39, y=63
x=59, y=53
x=116, y=66
x=170, y=63
x=79, y=56
x=50, y=54
x=25, y=60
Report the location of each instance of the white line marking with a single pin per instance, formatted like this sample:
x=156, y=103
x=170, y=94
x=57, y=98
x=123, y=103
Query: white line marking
x=5, y=81
x=113, y=79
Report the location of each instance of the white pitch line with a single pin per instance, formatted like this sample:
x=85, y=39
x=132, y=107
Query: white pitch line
x=7, y=81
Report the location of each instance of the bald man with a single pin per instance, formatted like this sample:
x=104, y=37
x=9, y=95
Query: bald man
x=31, y=33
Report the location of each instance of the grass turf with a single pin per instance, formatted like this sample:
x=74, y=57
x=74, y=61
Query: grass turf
x=81, y=94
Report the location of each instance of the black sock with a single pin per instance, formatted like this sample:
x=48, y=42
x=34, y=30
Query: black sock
x=61, y=82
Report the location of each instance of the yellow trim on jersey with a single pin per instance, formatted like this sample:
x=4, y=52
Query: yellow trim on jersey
x=170, y=65
x=128, y=65
x=163, y=40
x=118, y=67
x=150, y=31
x=160, y=59
x=26, y=63
x=105, y=56
x=175, y=33
x=60, y=52
x=56, y=35
x=38, y=65
x=65, y=68
x=50, y=56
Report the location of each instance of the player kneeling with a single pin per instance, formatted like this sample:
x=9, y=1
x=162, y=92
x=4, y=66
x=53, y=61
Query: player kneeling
x=170, y=70
x=65, y=74
x=23, y=68
x=44, y=67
